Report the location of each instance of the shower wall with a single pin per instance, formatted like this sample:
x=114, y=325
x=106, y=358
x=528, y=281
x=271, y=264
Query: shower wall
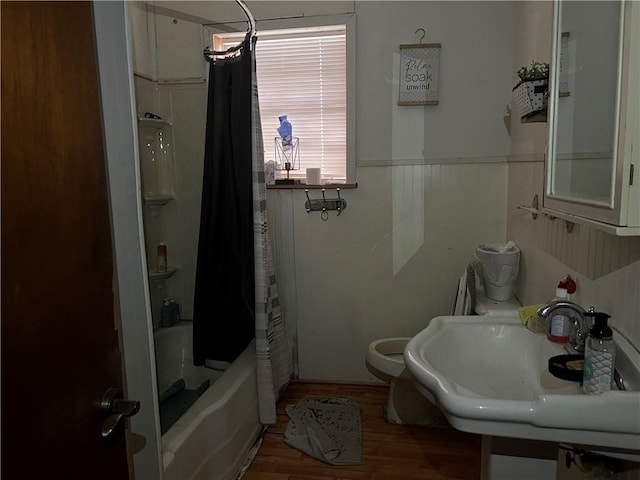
x=170, y=81
x=177, y=223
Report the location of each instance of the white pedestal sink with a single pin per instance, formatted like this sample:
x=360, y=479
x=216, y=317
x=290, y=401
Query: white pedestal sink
x=489, y=375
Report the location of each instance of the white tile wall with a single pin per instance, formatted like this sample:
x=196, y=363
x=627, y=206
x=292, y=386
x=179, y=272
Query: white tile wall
x=189, y=113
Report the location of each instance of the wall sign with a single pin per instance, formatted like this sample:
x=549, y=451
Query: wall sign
x=419, y=71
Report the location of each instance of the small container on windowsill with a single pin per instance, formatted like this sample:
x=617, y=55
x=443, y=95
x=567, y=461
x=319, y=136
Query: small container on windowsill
x=314, y=176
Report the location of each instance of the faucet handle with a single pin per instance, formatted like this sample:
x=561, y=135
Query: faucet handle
x=592, y=313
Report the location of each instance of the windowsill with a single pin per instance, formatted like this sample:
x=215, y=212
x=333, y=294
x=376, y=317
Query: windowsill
x=303, y=186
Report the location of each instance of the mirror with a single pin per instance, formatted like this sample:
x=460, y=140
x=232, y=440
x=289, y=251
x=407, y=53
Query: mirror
x=584, y=102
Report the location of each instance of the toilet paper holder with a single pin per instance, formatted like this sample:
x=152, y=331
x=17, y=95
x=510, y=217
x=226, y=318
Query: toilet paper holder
x=325, y=204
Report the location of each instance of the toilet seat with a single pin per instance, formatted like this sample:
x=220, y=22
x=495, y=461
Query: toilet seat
x=385, y=355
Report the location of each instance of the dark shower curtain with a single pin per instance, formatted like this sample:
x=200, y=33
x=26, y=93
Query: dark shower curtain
x=224, y=301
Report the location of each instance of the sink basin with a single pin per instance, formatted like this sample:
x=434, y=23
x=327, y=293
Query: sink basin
x=489, y=375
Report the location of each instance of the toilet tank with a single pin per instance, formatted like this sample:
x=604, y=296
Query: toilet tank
x=487, y=306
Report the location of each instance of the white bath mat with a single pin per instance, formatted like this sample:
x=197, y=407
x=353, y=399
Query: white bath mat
x=326, y=428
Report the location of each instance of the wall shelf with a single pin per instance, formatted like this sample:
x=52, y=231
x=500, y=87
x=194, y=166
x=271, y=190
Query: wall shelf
x=158, y=278
x=163, y=275
x=158, y=199
x=153, y=122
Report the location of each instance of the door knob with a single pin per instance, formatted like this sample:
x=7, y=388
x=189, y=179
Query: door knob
x=114, y=408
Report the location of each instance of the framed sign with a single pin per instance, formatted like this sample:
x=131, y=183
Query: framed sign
x=419, y=71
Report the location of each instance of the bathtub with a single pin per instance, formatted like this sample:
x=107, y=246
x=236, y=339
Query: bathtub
x=212, y=439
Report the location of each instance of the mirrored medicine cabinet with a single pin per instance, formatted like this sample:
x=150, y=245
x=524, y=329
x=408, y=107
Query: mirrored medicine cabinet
x=593, y=151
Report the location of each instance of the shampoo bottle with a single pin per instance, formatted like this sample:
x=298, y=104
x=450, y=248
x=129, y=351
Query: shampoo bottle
x=599, y=356
x=165, y=313
x=560, y=320
x=162, y=257
x=175, y=312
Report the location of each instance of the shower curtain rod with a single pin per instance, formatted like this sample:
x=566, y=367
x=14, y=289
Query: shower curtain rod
x=209, y=54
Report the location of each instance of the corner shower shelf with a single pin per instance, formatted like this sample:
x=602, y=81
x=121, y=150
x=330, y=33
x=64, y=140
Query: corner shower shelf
x=160, y=277
x=156, y=201
x=163, y=275
x=153, y=122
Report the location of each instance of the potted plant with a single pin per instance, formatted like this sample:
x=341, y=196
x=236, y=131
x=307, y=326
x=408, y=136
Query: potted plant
x=531, y=93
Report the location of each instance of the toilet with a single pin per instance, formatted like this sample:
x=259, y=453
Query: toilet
x=384, y=359
x=405, y=405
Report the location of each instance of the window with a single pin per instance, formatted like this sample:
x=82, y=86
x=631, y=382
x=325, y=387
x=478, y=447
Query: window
x=302, y=74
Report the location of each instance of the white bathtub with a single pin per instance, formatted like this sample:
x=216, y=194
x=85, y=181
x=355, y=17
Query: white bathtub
x=212, y=439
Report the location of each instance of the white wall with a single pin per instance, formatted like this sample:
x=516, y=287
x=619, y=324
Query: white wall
x=475, y=80
x=390, y=262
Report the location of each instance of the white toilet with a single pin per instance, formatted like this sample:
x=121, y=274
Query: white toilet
x=405, y=404
x=384, y=360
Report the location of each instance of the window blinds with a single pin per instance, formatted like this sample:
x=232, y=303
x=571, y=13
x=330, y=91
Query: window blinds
x=303, y=76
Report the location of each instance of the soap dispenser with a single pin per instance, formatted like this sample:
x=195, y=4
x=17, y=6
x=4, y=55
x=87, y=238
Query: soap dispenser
x=599, y=356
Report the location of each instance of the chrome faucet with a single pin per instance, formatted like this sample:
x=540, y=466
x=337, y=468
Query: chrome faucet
x=580, y=323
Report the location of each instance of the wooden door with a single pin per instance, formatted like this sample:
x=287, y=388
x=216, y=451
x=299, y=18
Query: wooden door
x=59, y=342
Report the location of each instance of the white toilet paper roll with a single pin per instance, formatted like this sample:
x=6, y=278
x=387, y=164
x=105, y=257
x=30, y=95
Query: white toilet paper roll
x=314, y=176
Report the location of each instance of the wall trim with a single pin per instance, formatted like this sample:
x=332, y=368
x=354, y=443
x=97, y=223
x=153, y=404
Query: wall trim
x=431, y=161
x=526, y=157
x=520, y=158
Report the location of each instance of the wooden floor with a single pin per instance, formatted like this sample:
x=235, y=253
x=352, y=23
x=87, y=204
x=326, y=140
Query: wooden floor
x=394, y=452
